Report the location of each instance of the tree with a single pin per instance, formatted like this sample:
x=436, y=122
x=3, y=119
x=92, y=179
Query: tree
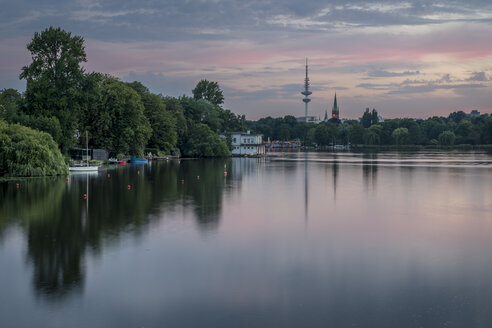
x=415, y=136
x=324, y=134
x=447, y=138
x=366, y=120
x=210, y=114
x=463, y=131
x=374, y=117
x=457, y=116
x=283, y=132
x=116, y=119
x=342, y=133
x=400, y=136
x=53, y=79
x=10, y=99
x=203, y=142
x=230, y=121
x=27, y=152
x=210, y=91
x=162, y=122
x=356, y=132
x=371, y=137
x=310, y=137
x=173, y=105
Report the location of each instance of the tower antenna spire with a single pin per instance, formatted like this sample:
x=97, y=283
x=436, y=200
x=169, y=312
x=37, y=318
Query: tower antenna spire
x=306, y=93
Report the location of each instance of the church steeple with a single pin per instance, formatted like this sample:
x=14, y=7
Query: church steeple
x=335, y=112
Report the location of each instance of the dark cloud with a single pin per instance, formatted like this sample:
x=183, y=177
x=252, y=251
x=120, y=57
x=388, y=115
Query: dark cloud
x=374, y=86
x=212, y=20
x=426, y=88
x=383, y=73
x=421, y=86
x=478, y=76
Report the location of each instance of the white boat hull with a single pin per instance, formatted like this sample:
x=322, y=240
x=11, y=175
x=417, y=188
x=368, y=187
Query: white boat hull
x=83, y=168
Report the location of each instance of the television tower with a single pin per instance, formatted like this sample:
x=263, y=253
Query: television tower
x=306, y=93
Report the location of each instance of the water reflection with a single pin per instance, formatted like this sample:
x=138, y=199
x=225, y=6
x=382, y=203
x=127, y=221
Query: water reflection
x=62, y=226
x=234, y=249
x=370, y=170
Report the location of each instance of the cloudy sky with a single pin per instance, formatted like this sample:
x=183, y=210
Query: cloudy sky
x=406, y=59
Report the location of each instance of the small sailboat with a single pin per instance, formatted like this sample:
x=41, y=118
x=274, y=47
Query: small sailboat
x=85, y=168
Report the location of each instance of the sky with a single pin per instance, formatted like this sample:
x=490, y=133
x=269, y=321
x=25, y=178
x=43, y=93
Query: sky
x=406, y=59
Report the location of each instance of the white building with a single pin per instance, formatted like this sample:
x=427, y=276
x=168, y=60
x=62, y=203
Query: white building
x=245, y=143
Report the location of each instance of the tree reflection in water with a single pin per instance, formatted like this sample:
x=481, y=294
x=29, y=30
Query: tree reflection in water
x=61, y=226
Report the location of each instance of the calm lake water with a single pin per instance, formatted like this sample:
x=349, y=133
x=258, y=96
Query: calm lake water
x=292, y=240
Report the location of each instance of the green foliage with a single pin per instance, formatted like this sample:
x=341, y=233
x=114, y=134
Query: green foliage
x=53, y=80
x=115, y=119
x=447, y=138
x=325, y=134
x=162, y=122
x=283, y=132
x=369, y=118
x=173, y=105
x=209, y=114
x=310, y=137
x=202, y=142
x=10, y=101
x=27, y=152
x=210, y=91
x=400, y=136
x=356, y=132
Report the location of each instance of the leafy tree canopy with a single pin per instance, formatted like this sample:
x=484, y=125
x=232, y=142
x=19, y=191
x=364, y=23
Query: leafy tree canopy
x=210, y=91
x=53, y=79
x=27, y=152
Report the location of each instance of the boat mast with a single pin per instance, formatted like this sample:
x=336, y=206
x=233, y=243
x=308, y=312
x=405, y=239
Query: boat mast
x=87, y=147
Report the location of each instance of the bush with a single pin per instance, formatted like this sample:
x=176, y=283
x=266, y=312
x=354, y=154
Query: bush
x=27, y=152
x=203, y=142
x=447, y=138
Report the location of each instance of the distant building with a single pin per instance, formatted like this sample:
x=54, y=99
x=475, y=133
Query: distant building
x=474, y=113
x=245, y=143
x=308, y=119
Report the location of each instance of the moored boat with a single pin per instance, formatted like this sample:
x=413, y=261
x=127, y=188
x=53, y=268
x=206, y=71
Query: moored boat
x=138, y=160
x=83, y=168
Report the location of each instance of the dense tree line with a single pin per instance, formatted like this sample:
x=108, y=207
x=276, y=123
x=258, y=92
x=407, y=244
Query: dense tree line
x=123, y=118
x=456, y=129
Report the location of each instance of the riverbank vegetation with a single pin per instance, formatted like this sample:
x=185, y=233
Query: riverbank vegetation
x=26, y=152
x=444, y=132
x=64, y=101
